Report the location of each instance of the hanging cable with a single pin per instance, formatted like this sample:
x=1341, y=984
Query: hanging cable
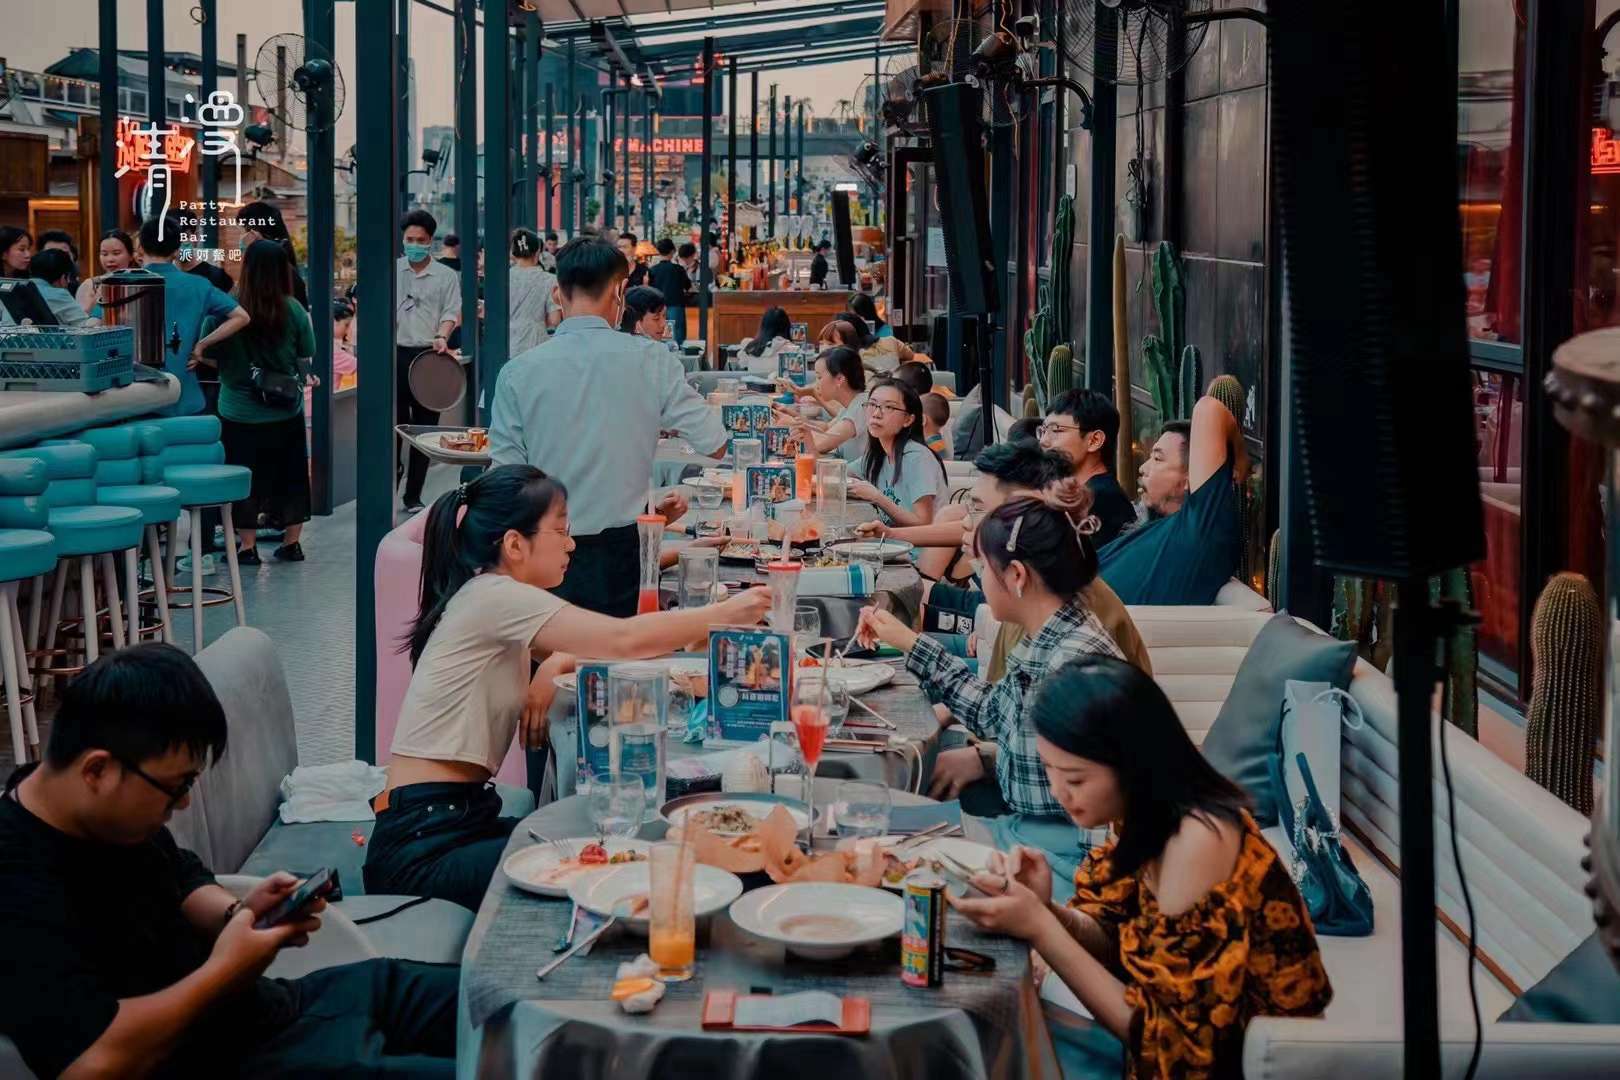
x=1462, y=882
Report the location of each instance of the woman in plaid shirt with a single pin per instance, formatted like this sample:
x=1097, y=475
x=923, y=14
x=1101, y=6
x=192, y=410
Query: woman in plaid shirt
x=1034, y=564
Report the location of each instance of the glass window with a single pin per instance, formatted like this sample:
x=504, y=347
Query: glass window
x=1499, y=436
x=76, y=94
x=1602, y=238
x=1490, y=162
x=137, y=102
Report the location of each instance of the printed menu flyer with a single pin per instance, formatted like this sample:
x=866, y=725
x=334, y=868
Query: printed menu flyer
x=745, y=420
x=779, y=442
x=770, y=484
x=746, y=686
x=794, y=365
x=593, y=721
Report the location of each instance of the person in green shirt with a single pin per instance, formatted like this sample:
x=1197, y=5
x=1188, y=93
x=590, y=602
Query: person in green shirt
x=262, y=373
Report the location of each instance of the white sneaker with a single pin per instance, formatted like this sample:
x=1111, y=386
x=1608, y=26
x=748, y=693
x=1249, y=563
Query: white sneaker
x=182, y=565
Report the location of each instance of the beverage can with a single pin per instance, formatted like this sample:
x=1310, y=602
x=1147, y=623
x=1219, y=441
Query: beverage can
x=922, y=937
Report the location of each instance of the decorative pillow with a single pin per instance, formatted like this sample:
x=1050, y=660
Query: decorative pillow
x=1583, y=988
x=1243, y=739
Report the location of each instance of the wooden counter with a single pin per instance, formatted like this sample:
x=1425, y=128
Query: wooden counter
x=736, y=312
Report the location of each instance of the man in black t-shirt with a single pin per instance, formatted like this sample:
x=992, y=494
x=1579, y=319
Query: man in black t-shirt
x=125, y=957
x=670, y=278
x=1084, y=425
x=818, y=265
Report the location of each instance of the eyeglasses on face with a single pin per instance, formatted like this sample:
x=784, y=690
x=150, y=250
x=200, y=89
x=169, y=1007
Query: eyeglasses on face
x=883, y=408
x=1050, y=428
x=175, y=793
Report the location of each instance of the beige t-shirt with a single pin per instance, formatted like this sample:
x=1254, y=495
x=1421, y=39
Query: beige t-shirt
x=466, y=694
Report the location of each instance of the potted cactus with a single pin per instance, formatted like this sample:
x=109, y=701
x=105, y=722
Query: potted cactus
x=1566, y=695
x=1049, y=330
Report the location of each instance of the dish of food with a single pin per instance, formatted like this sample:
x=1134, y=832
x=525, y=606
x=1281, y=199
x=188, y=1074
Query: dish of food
x=623, y=891
x=947, y=856
x=887, y=550
x=819, y=920
x=733, y=814
x=540, y=870
x=473, y=440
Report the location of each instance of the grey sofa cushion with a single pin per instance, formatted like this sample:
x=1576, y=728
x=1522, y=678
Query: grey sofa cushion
x=235, y=800
x=307, y=847
x=1583, y=988
x=1243, y=739
x=433, y=931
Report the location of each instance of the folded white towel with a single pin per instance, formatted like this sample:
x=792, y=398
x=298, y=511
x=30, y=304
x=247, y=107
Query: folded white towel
x=341, y=791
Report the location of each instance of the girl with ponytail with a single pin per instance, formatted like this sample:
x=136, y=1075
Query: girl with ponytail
x=1035, y=568
x=493, y=550
x=535, y=307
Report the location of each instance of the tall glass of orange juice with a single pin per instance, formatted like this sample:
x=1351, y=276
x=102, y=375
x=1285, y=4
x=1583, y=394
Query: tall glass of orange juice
x=672, y=924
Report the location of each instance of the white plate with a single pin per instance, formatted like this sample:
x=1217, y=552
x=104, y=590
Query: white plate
x=759, y=811
x=972, y=856
x=888, y=550
x=601, y=893
x=526, y=868
x=861, y=678
x=820, y=920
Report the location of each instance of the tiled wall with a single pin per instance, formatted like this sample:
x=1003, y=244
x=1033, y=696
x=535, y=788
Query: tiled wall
x=1224, y=193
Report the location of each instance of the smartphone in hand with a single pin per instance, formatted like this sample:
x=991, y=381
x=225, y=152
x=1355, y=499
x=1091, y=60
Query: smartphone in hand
x=318, y=886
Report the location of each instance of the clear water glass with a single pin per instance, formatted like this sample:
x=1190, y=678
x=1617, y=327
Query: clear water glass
x=806, y=625
x=834, y=696
x=863, y=809
x=681, y=703
x=616, y=803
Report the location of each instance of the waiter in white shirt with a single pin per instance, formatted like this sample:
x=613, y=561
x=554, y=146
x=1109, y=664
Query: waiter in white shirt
x=429, y=305
x=587, y=407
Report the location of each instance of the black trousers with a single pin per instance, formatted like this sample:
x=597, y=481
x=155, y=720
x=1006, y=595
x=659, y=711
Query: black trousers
x=441, y=840
x=408, y=411
x=394, y=1018
x=677, y=322
x=604, y=572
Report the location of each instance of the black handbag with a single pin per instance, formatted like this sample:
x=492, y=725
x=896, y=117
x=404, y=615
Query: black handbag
x=275, y=389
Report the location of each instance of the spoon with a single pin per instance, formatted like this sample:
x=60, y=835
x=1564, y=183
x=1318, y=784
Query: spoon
x=591, y=937
x=568, y=938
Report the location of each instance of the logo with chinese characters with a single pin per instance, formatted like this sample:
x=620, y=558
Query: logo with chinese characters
x=161, y=152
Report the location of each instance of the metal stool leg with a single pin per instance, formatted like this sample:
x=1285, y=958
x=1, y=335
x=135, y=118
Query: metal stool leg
x=159, y=582
x=30, y=717
x=36, y=611
x=87, y=589
x=196, y=581
x=132, y=587
x=171, y=551
x=230, y=558
x=8, y=666
x=58, y=588
x=115, y=610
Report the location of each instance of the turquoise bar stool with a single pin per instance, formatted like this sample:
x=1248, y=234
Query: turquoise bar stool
x=27, y=552
x=120, y=473
x=84, y=531
x=184, y=452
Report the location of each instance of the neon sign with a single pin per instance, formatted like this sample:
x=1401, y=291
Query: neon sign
x=1605, y=153
x=661, y=145
x=143, y=148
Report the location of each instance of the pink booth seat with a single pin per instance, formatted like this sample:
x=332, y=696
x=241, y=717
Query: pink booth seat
x=399, y=572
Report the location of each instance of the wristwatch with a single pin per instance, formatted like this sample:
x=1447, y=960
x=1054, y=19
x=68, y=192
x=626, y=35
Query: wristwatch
x=987, y=756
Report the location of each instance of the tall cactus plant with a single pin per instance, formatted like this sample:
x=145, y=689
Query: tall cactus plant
x=1188, y=381
x=1229, y=392
x=1161, y=352
x=1050, y=328
x=1566, y=695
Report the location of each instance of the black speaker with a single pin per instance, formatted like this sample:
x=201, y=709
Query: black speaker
x=1364, y=146
x=843, y=239
x=955, y=130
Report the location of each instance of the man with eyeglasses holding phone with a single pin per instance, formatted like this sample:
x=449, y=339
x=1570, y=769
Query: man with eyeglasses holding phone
x=1085, y=425
x=126, y=958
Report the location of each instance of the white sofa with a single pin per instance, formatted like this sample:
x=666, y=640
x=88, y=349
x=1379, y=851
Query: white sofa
x=1521, y=849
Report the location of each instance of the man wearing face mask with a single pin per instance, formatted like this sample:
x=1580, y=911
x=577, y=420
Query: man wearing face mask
x=586, y=407
x=429, y=306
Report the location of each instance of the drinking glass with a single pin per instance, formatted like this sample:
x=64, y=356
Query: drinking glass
x=806, y=626
x=810, y=718
x=650, y=532
x=616, y=803
x=783, y=578
x=697, y=570
x=681, y=703
x=863, y=809
x=672, y=923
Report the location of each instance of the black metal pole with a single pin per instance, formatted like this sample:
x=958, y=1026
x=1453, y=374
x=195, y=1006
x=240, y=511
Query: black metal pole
x=583, y=187
x=753, y=139
x=533, y=38
x=787, y=154
x=107, y=67
x=376, y=71
x=551, y=165
x=156, y=66
x=705, y=275
x=798, y=182
x=646, y=163
x=770, y=223
x=624, y=163
x=604, y=140
x=209, y=167
x=731, y=158
x=321, y=30
x=877, y=131
x=570, y=189
x=402, y=148
x=466, y=194
x=1100, y=236
x=497, y=181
